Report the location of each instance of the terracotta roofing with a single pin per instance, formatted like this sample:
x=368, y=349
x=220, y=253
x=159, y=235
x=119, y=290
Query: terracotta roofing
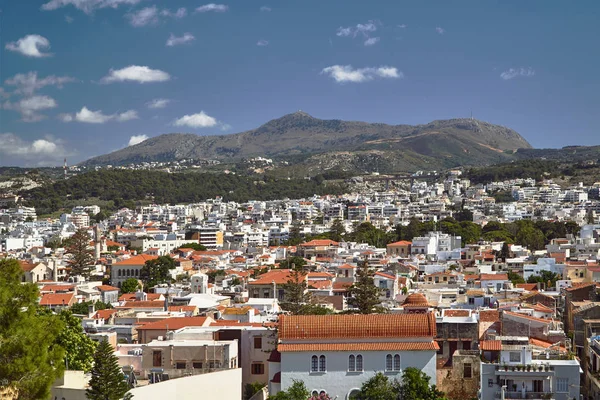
x=383, y=275
x=489, y=316
x=140, y=259
x=143, y=304
x=519, y=315
x=27, y=266
x=131, y=297
x=275, y=356
x=276, y=378
x=107, y=288
x=341, y=286
x=538, y=307
x=490, y=345
x=57, y=288
x=239, y=310
x=456, y=313
x=544, y=344
x=57, y=299
x=347, y=266
x=493, y=277
x=400, y=243
x=356, y=326
x=182, y=308
x=279, y=276
x=527, y=286
x=415, y=300
x=238, y=323
x=313, y=275
x=174, y=323
x=320, y=284
x=587, y=285
x=320, y=242
x=105, y=314
x=378, y=346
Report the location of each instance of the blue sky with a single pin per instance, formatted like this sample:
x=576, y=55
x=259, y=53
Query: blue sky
x=81, y=78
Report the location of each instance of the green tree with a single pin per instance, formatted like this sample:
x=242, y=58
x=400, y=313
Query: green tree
x=364, y=295
x=515, y=278
x=250, y=389
x=504, y=252
x=192, y=245
x=545, y=277
x=130, y=285
x=366, y=232
x=531, y=237
x=156, y=271
x=297, y=391
x=296, y=293
x=83, y=307
x=79, y=348
x=82, y=257
x=101, y=216
x=30, y=359
x=379, y=387
x=337, y=230
x=108, y=381
x=415, y=386
x=295, y=262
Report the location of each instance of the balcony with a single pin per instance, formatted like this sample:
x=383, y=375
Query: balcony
x=536, y=370
x=525, y=395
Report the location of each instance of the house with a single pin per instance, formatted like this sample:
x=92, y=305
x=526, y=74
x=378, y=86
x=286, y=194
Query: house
x=319, y=248
x=387, y=284
x=109, y=294
x=36, y=272
x=400, y=249
x=495, y=282
x=58, y=301
x=336, y=354
x=456, y=330
x=270, y=284
x=153, y=330
x=128, y=268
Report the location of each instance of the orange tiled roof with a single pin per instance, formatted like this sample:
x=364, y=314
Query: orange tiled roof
x=489, y=316
x=380, y=346
x=27, y=266
x=182, y=308
x=320, y=242
x=527, y=286
x=415, y=300
x=136, y=260
x=279, y=276
x=456, y=313
x=544, y=344
x=347, y=266
x=384, y=275
x=519, y=315
x=131, y=297
x=341, y=286
x=356, y=326
x=493, y=277
x=57, y=299
x=174, y=323
x=107, y=288
x=143, y=304
x=312, y=275
x=400, y=243
x=57, y=288
x=490, y=345
x=319, y=284
x=105, y=314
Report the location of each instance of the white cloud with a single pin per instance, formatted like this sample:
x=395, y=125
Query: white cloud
x=143, y=17
x=43, y=151
x=363, y=29
x=174, y=40
x=371, y=41
x=136, y=73
x=30, y=46
x=30, y=107
x=440, y=30
x=158, y=103
x=262, y=43
x=199, y=120
x=69, y=19
x=345, y=73
x=88, y=116
x=87, y=6
x=517, y=72
x=137, y=139
x=180, y=13
x=29, y=83
x=212, y=7
x=265, y=9
x=402, y=26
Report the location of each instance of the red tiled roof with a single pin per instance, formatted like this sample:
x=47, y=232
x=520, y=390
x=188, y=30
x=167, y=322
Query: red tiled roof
x=27, y=266
x=105, y=314
x=182, y=308
x=388, y=276
x=238, y=323
x=379, y=346
x=493, y=277
x=341, y=286
x=279, y=276
x=456, y=313
x=415, y=300
x=490, y=345
x=544, y=344
x=320, y=242
x=356, y=326
x=57, y=288
x=137, y=260
x=519, y=315
x=527, y=286
x=275, y=356
x=174, y=323
x=400, y=243
x=107, y=288
x=57, y=299
x=143, y=304
x=320, y=284
x=489, y=316
x=131, y=297
x=347, y=266
x=538, y=307
x=585, y=285
x=276, y=378
x=312, y=275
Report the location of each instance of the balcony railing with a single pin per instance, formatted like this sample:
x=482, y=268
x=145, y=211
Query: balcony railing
x=525, y=395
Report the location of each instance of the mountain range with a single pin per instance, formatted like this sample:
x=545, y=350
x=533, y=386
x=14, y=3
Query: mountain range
x=317, y=144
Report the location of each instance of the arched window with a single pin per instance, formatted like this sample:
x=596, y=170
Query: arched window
x=322, y=364
x=397, y=362
x=359, y=363
x=119, y=272
x=388, y=363
x=314, y=393
x=137, y=272
x=314, y=364
x=351, y=363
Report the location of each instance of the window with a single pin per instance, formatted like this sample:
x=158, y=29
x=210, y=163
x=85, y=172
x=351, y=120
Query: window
x=197, y=365
x=397, y=362
x=119, y=272
x=351, y=363
x=388, y=362
x=515, y=356
x=471, y=300
x=314, y=364
x=156, y=358
x=180, y=365
x=467, y=373
x=490, y=383
x=359, y=363
x=322, y=364
x=258, y=369
x=562, y=384
x=257, y=342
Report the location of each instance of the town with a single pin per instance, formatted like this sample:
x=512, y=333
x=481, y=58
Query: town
x=430, y=280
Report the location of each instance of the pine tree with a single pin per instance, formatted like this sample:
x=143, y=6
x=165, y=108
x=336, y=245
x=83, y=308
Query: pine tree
x=364, y=294
x=108, y=381
x=82, y=258
x=296, y=291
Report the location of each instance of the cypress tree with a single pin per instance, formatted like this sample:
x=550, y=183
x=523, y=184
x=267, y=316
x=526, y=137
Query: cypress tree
x=108, y=381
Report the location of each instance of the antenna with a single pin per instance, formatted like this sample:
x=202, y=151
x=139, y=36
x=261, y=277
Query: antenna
x=471, y=115
x=65, y=168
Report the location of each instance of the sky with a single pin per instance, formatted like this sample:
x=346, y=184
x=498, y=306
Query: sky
x=80, y=78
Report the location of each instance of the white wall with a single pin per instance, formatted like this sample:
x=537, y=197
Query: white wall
x=337, y=381
x=215, y=385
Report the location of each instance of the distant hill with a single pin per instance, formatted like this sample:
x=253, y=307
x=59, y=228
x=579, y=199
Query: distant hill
x=348, y=145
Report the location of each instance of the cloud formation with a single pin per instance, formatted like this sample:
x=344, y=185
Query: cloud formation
x=137, y=139
x=136, y=73
x=151, y=15
x=87, y=6
x=440, y=30
x=212, y=7
x=88, y=116
x=265, y=9
x=371, y=41
x=199, y=120
x=345, y=73
x=27, y=84
x=44, y=151
x=30, y=107
x=517, y=72
x=30, y=46
x=262, y=43
x=402, y=26
x=363, y=29
x=158, y=103
x=175, y=40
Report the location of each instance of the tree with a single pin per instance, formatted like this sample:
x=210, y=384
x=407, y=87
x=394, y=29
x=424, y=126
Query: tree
x=250, y=389
x=364, y=295
x=101, y=216
x=82, y=258
x=156, y=271
x=337, y=230
x=296, y=293
x=545, y=277
x=515, y=278
x=293, y=262
x=108, y=381
x=79, y=348
x=505, y=252
x=30, y=358
x=297, y=391
x=83, y=307
x=415, y=386
x=378, y=387
x=192, y=245
x=531, y=237
x=130, y=285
